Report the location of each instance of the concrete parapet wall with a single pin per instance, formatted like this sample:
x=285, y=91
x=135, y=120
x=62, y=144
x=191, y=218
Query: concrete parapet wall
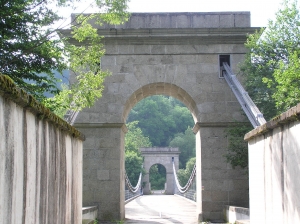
x=40, y=162
x=233, y=214
x=89, y=213
x=274, y=158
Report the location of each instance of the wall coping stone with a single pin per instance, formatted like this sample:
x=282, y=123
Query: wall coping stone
x=9, y=90
x=287, y=117
x=89, y=209
x=236, y=209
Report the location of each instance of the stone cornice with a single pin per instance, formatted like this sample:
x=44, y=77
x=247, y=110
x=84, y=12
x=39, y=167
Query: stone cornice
x=199, y=125
x=173, y=35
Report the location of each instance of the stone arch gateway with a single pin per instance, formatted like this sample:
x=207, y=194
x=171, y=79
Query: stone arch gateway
x=164, y=156
x=175, y=54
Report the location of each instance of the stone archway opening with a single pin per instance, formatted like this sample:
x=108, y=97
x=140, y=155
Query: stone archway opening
x=157, y=178
x=178, y=96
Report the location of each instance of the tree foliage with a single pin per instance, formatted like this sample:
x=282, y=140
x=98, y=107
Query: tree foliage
x=157, y=177
x=237, y=154
x=29, y=46
x=134, y=140
x=271, y=65
x=287, y=82
x=186, y=144
x=160, y=118
x=133, y=166
x=26, y=46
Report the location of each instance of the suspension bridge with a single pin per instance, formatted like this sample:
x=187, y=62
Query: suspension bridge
x=158, y=207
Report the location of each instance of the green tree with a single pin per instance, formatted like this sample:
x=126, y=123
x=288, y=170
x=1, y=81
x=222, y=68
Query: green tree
x=237, y=154
x=134, y=140
x=133, y=166
x=287, y=82
x=161, y=117
x=272, y=62
x=29, y=47
x=157, y=177
x=152, y=114
x=186, y=144
x=182, y=117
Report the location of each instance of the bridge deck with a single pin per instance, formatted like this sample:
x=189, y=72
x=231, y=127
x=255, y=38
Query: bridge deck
x=155, y=209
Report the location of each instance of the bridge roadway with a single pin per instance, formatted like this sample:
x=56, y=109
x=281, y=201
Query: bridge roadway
x=156, y=209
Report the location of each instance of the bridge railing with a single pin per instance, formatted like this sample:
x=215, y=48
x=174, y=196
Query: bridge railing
x=254, y=115
x=130, y=191
x=189, y=190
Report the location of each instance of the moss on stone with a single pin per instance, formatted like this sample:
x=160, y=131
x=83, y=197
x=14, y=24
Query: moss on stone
x=8, y=89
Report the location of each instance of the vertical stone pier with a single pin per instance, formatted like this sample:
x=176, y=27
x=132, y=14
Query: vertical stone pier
x=103, y=169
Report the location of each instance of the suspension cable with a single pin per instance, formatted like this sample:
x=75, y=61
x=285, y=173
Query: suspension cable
x=189, y=182
x=129, y=185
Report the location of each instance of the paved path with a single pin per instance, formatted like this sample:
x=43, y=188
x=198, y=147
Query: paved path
x=155, y=209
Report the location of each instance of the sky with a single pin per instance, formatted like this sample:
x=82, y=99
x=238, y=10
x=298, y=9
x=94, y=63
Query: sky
x=261, y=10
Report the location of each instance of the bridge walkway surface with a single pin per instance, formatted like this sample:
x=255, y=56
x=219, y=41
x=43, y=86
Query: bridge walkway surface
x=156, y=209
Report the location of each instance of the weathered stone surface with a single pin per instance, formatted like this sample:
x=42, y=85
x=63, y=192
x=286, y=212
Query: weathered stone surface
x=274, y=169
x=40, y=166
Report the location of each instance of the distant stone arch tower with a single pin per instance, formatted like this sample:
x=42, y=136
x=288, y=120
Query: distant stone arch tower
x=163, y=156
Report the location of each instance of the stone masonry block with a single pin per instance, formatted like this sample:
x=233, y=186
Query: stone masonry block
x=125, y=59
x=242, y=20
x=208, y=58
x=182, y=21
x=136, y=21
x=103, y=174
x=227, y=20
x=158, y=49
x=211, y=21
x=173, y=20
x=219, y=185
x=111, y=49
x=167, y=59
x=108, y=60
x=212, y=206
x=142, y=49
x=125, y=49
x=165, y=21
x=205, y=21
x=152, y=21
x=219, y=196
